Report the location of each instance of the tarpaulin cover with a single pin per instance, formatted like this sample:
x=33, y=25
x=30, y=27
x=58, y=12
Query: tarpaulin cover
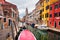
x=26, y=35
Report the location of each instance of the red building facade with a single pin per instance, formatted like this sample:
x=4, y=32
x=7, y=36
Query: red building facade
x=54, y=20
x=57, y=15
x=51, y=19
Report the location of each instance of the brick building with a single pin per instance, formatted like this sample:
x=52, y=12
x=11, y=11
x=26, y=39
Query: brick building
x=9, y=16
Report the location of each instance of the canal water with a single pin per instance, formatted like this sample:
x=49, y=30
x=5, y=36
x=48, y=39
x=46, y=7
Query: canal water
x=45, y=34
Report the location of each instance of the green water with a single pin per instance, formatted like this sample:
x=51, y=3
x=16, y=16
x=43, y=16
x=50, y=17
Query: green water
x=44, y=34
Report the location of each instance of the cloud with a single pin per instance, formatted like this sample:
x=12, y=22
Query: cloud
x=21, y=13
x=22, y=4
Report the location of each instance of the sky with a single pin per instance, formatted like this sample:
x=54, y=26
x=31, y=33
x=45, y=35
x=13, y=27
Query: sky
x=23, y=4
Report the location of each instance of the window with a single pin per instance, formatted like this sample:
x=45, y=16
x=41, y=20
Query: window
x=59, y=4
x=50, y=8
x=5, y=13
x=50, y=22
x=50, y=15
x=59, y=23
x=13, y=14
x=40, y=11
x=47, y=7
x=40, y=18
x=59, y=14
x=47, y=0
x=55, y=14
x=4, y=19
x=30, y=16
x=56, y=6
x=10, y=22
x=46, y=15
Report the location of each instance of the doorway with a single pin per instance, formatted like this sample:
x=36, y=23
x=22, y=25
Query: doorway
x=55, y=24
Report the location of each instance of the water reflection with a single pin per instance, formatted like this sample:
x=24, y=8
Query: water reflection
x=53, y=35
x=46, y=35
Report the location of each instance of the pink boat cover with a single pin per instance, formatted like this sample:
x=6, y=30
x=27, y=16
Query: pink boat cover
x=26, y=35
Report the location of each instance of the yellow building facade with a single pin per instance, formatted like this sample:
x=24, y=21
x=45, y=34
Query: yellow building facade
x=44, y=7
x=45, y=13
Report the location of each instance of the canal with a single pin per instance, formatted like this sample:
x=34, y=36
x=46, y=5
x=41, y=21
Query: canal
x=45, y=34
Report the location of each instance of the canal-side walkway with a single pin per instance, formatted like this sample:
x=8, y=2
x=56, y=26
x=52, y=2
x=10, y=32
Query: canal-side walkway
x=54, y=29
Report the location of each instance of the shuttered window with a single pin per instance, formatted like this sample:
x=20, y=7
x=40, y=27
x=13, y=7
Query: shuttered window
x=59, y=4
x=46, y=15
x=59, y=23
x=55, y=14
x=47, y=7
x=50, y=8
x=10, y=22
x=40, y=11
x=59, y=14
x=47, y=0
x=50, y=15
x=56, y=6
x=4, y=19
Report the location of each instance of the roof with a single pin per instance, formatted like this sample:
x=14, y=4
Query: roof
x=37, y=2
x=2, y=1
x=9, y=4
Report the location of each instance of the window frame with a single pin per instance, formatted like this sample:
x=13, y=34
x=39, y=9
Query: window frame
x=59, y=14
x=13, y=15
x=43, y=9
x=50, y=15
x=51, y=8
x=4, y=19
x=40, y=17
x=56, y=6
x=9, y=22
x=55, y=14
x=46, y=15
x=40, y=11
x=59, y=23
x=59, y=5
x=50, y=22
x=47, y=7
x=47, y=0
